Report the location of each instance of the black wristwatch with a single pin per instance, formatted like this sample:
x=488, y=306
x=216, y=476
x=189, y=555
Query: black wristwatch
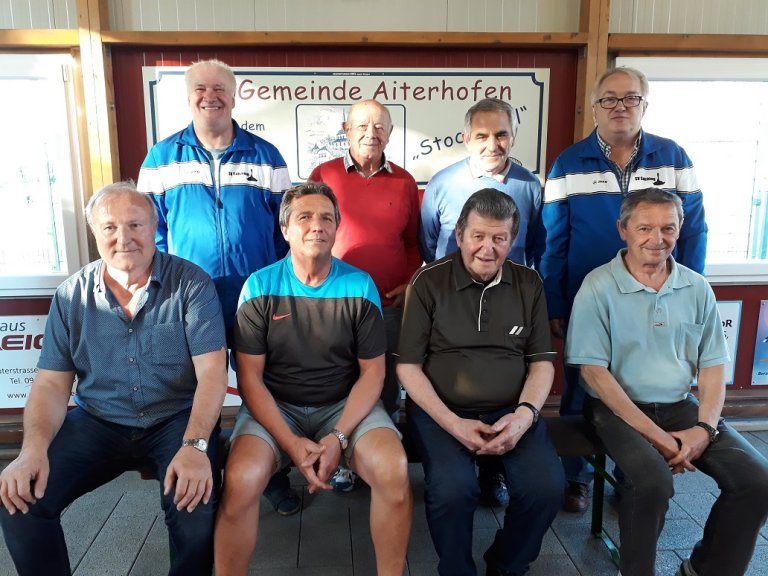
x=714, y=433
x=530, y=407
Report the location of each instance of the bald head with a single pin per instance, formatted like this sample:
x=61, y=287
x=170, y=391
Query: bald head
x=367, y=128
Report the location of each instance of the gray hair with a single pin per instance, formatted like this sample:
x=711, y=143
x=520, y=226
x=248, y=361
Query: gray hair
x=493, y=204
x=124, y=187
x=491, y=105
x=648, y=196
x=223, y=66
x=309, y=187
x=633, y=73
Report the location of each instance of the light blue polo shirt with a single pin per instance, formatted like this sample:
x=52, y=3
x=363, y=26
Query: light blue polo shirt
x=652, y=342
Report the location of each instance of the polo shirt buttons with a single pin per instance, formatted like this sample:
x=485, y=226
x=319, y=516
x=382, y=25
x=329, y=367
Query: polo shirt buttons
x=130, y=330
x=131, y=360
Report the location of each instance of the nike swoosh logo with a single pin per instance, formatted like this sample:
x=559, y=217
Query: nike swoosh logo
x=280, y=316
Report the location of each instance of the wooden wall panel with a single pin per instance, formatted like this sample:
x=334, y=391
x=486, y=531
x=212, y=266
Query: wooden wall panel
x=129, y=99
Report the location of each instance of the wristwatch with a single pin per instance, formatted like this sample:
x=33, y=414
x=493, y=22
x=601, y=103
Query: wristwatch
x=714, y=433
x=343, y=442
x=530, y=407
x=197, y=443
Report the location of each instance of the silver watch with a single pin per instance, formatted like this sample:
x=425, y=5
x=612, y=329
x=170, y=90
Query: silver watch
x=342, y=439
x=197, y=443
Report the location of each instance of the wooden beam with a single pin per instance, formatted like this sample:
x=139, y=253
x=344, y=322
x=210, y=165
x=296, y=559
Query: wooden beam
x=696, y=44
x=593, y=21
x=524, y=39
x=98, y=95
x=39, y=38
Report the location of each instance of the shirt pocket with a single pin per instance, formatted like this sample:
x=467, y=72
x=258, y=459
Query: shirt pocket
x=516, y=338
x=688, y=341
x=168, y=344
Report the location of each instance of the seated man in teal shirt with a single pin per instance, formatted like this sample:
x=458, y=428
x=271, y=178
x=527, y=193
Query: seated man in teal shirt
x=646, y=329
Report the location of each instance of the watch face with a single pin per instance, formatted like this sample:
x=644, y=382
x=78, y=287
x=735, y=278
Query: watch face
x=198, y=443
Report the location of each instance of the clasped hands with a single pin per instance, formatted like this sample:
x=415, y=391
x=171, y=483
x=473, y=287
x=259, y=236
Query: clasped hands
x=492, y=439
x=316, y=460
x=682, y=447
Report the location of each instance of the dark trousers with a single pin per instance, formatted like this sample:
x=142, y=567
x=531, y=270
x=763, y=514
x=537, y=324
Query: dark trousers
x=738, y=514
x=535, y=480
x=89, y=452
x=390, y=394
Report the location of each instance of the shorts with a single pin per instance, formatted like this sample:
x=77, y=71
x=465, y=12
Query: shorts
x=312, y=422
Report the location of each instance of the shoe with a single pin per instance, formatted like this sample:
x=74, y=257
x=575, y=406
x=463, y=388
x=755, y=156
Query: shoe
x=686, y=568
x=493, y=491
x=286, y=502
x=343, y=480
x=576, y=497
x=284, y=499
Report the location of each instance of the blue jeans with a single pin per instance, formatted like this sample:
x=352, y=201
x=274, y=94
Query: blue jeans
x=740, y=471
x=534, y=478
x=88, y=452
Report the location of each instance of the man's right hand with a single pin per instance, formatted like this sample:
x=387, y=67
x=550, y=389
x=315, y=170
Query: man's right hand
x=24, y=481
x=668, y=446
x=557, y=327
x=305, y=454
x=473, y=434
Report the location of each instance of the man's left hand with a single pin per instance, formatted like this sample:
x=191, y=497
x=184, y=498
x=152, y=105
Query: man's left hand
x=509, y=429
x=190, y=472
x=693, y=442
x=397, y=295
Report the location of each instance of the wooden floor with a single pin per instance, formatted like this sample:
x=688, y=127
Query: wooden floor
x=118, y=530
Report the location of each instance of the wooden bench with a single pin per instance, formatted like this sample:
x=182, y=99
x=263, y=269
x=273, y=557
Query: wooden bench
x=571, y=436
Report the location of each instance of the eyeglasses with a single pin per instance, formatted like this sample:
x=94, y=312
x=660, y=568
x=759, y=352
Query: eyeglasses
x=610, y=102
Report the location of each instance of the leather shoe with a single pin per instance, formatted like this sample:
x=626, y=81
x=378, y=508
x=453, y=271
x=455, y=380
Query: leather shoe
x=576, y=497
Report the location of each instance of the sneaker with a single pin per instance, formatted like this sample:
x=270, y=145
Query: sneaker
x=343, y=480
x=286, y=501
x=493, y=491
x=576, y=497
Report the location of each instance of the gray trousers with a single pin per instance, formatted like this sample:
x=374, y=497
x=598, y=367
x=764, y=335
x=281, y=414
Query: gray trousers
x=737, y=516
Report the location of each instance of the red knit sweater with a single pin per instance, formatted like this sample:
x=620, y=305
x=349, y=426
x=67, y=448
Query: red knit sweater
x=379, y=222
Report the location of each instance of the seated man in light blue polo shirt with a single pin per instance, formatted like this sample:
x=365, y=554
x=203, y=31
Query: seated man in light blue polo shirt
x=646, y=329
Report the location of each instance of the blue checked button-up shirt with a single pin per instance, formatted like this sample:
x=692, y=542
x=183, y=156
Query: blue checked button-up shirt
x=134, y=372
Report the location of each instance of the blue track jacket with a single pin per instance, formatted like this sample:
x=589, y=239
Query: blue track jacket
x=582, y=197
x=231, y=230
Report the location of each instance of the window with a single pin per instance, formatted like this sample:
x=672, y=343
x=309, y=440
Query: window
x=717, y=109
x=40, y=240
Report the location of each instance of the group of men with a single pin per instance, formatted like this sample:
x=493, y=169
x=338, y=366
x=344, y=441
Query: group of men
x=319, y=294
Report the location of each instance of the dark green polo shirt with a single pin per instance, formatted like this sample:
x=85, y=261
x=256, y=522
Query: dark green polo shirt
x=475, y=340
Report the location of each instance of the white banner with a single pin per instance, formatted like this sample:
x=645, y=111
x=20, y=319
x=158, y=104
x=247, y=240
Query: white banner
x=300, y=110
x=730, y=314
x=21, y=339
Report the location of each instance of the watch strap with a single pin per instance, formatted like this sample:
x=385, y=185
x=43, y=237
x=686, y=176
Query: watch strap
x=343, y=441
x=713, y=432
x=530, y=407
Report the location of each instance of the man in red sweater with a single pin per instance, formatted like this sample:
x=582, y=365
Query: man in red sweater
x=379, y=204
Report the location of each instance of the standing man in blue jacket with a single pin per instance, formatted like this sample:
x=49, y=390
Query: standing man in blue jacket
x=583, y=193
x=218, y=189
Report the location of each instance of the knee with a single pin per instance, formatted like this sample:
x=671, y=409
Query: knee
x=390, y=475
x=655, y=486
x=453, y=491
x=244, y=482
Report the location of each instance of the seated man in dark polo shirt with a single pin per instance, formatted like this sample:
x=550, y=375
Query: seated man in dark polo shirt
x=310, y=344
x=476, y=360
x=143, y=332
